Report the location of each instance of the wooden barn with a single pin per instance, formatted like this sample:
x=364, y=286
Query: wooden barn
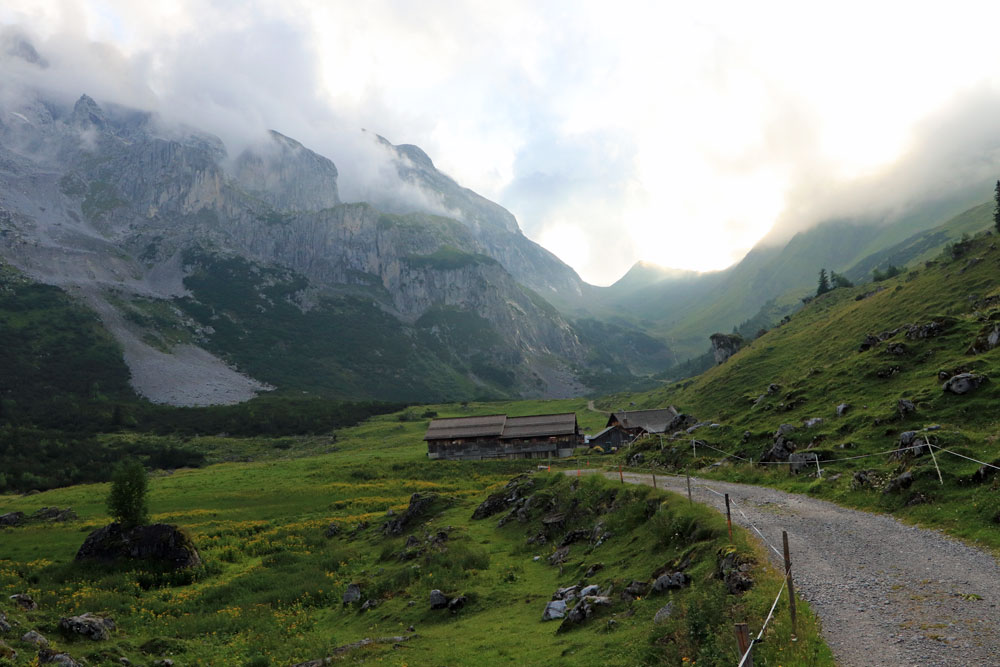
x=638, y=421
x=503, y=437
x=611, y=438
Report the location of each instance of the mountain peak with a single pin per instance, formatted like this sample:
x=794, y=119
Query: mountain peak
x=87, y=112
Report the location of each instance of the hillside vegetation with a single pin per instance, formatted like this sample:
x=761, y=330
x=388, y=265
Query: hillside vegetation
x=884, y=350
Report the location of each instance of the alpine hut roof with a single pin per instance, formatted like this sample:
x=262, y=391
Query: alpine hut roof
x=466, y=427
x=540, y=426
x=652, y=421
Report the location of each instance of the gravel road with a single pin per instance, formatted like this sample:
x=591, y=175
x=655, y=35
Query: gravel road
x=887, y=593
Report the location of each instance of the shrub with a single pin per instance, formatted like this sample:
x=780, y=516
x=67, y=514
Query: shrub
x=127, y=501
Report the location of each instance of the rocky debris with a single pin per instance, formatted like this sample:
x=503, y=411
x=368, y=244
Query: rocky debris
x=567, y=593
x=746, y=437
x=782, y=448
x=842, y=409
x=47, y=656
x=369, y=604
x=556, y=519
x=32, y=637
x=868, y=343
x=896, y=349
x=963, y=383
x=663, y=613
x=725, y=346
x=734, y=569
x=887, y=372
x=636, y=589
x=813, y=422
x=514, y=491
x=681, y=422
x=12, y=519
x=575, y=536
x=905, y=407
x=593, y=569
x=53, y=514
x=559, y=556
x=91, y=626
x=438, y=600
x=900, y=483
x=638, y=458
x=930, y=329
x=862, y=479
x=352, y=594
x=988, y=339
x=333, y=530
x=984, y=474
x=671, y=582
x=456, y=603
x=419, y=506
x=4, y=625
x=592, y=589
x=802, y=462
x=553, y=610
x=24, y=601
x=911, y=444
x=584, y=609
x=160, y=543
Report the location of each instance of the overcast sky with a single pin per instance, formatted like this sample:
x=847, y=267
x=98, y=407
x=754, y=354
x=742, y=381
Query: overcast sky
x=679, y=133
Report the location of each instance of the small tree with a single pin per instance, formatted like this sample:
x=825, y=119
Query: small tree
x=839, y=280
x=996, y=207
x=824, y=283
x=127, y=502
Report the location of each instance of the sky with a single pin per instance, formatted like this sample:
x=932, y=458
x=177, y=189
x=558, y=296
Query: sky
x=676, y=133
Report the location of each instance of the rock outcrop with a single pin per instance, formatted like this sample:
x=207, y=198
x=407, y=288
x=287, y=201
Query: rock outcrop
x=159, y=543
x=725, y=346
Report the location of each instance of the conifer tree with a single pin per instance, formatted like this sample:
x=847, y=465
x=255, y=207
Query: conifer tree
x=824, y=283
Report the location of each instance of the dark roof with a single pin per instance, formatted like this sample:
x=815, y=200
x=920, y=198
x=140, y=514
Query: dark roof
x=501, y=426
x=465, y=427
x=540, y=425
x=653, y=421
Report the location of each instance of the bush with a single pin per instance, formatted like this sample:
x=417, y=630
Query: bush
x=127, y=501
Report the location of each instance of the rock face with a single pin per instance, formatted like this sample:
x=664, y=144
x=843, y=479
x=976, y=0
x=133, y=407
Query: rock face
x=671, y=582
x=963, y=383
x=419, y=506
x=158, y=543
x=87, y=625
x=725, y=346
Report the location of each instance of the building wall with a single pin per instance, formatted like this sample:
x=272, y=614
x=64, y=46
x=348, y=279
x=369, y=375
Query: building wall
x=493, y=448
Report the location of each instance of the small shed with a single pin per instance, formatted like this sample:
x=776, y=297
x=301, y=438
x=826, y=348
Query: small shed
x=503, y=437
x=611, y=438
x=650, y=421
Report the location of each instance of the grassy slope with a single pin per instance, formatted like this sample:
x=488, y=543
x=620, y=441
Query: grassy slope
x=272, y=587
x=815, y=360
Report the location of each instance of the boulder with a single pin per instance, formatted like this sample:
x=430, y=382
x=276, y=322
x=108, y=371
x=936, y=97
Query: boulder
x=963, y=383
x=780, y=450
x=900, y=483
x=515, y=490
x=369, y=604
x=12, y=519
x=4, y=625
x=984, y=474
x=352, y=594
x=159, y=543
x=553, y=610
x=862, y=479
x=333, y=530
x=734, y=570
x=784, y=429
x=725, y=346
x=32, y=637
x=593, y=569
x=636, y=589
x=24, y=601
x=559, y=556
x=636, y=459
x=802, y=462
x=575, y=536
x=567, y=593
x=930, y=329
x=988, y=339
x=53, y=514
x=842, y=409
x=47, y=656
x=456, y=603
x=911, y=444
x=438, y=600
x=898, y=349
x=663, y=613
x=91, y=626
x=681, y=423
x=593, y=589
x=905, y=407
x=671, y=582
x=419, y=506
x=813, y=422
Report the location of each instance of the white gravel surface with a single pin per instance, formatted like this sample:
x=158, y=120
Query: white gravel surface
x=887, y=593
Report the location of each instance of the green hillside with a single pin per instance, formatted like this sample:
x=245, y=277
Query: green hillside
x=926, y=321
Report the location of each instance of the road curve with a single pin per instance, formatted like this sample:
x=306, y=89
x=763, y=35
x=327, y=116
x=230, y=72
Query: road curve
x=887, y=593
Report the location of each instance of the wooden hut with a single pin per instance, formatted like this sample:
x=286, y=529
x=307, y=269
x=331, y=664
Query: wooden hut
x=503, y=437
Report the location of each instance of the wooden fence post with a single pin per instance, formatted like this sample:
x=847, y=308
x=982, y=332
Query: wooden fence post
x=689, y=489
x=620, y=475
x=729, y=520
x=743, y=640
x=654, y=480
x=788, y=578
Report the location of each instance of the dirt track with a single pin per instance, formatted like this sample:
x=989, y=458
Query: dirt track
x=887, y=593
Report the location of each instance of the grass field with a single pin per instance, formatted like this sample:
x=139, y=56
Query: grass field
x=270, y=590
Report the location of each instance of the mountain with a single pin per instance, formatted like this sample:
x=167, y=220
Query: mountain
x=223, y=276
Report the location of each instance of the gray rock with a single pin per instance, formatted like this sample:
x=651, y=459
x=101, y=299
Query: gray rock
x=352, y=594
x=663, y=613
x=911, y=444
x=456, y=603
x=897, y=349
x=12, y=519
x=862, y=479
x=725, y=346
x=559, y=556
x=900, y=483
x=163, y=662
x=593, y=569
x=333, y=530
x=636, y=589
x=593, y=589
x=905, y=407
x=49, y=657
x=4, y=625
x=784, y=429
x=369, y=604
x=842, y=409
x=813, y=422
x=802, y=462
x=575, y=536
x=159, y=543
x=419, y=506
x=567, y=593
x=734, y=571
x=670, y=582
x=53, y=514
x=780, y=450
x=32, y=637
x=553, y=610
x=24, y=601
x=91, y=626
x=988, y=339
x=963, y=383
x=438, y=600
